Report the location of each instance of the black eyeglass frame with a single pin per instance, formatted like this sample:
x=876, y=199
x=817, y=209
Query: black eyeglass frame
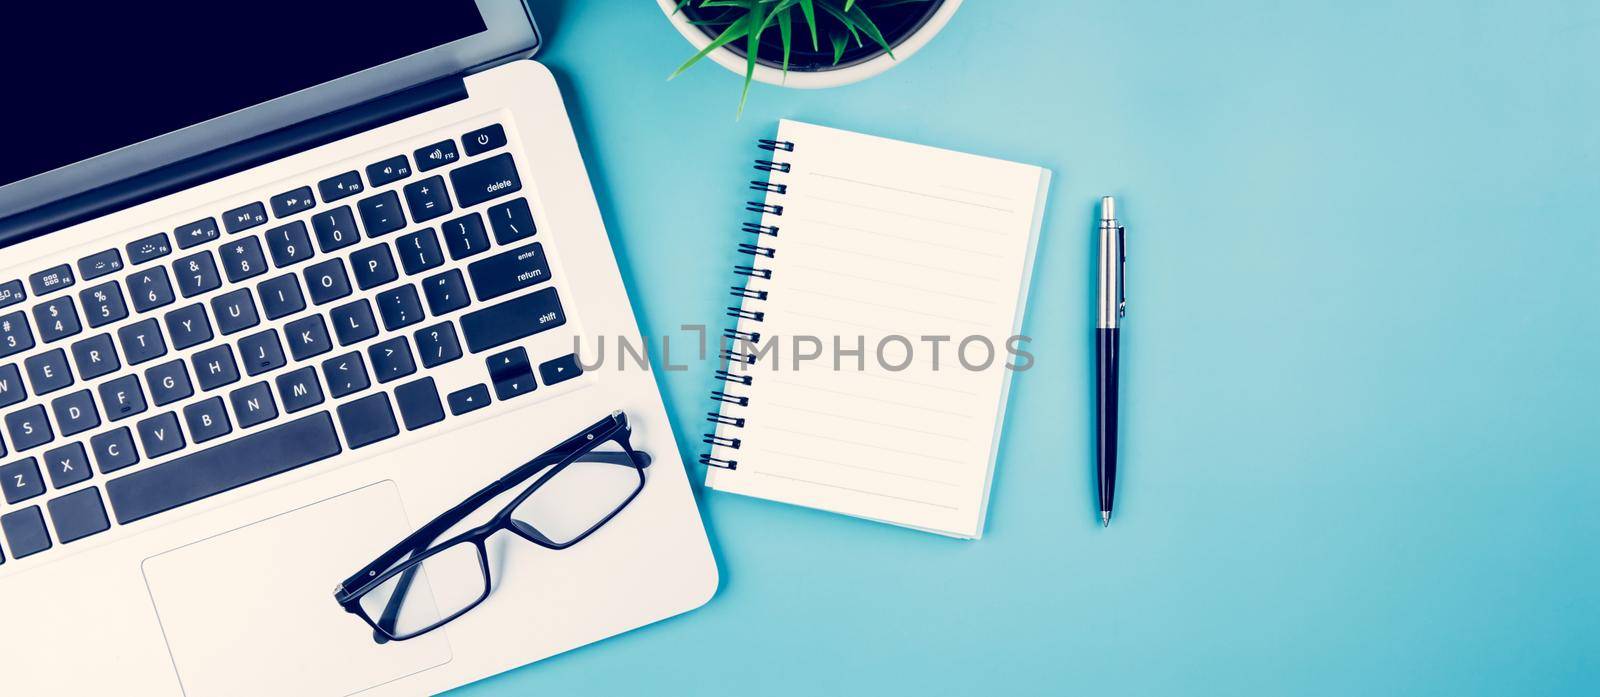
x=420, y=545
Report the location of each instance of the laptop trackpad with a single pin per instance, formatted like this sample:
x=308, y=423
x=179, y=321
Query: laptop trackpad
x=251, y=611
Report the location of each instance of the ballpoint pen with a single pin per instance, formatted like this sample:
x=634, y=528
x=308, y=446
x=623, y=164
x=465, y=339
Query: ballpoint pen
x=1113, y=305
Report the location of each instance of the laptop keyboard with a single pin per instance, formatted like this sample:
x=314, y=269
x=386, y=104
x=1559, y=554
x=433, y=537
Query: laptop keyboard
x=272, y=335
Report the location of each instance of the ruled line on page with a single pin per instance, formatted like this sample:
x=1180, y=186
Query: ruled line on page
x=896, y=284
x=909, y=191
x=874, y=446
x=884, y=424
x=935, y=315
x=903, y=238
x=893, y=260
x=937, y=221
x=825, y=461
x=891, y=402
x=907, y=499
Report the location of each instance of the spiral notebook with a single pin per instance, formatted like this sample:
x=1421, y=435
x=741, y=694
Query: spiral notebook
x=856, y=378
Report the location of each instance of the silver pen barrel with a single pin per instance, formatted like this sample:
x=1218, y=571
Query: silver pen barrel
x=1110, y=289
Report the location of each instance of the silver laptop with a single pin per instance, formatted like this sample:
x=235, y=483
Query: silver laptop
x=280, y=282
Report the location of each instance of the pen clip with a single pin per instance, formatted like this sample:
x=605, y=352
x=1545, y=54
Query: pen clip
x=1122, y=272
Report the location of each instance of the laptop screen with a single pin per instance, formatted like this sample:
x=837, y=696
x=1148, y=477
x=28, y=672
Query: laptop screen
x=78, y=81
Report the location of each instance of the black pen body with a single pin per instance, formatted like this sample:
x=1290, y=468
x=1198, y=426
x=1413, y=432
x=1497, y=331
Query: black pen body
x=1107, y=346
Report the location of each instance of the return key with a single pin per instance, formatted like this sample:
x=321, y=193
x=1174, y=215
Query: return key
x=508, y=272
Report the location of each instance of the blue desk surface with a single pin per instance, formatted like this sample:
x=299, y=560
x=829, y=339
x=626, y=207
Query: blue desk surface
x=1362, y=373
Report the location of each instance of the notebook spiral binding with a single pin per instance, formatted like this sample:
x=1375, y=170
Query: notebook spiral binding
x=738, y=340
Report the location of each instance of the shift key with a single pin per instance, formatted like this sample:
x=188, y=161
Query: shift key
x=482, y=181
x=508, y=272
x=509, y=320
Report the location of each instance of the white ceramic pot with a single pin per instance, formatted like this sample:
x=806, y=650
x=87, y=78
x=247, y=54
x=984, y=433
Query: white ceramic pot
x=815, y=79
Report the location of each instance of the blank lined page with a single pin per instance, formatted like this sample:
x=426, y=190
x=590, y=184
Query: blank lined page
x=899, y=274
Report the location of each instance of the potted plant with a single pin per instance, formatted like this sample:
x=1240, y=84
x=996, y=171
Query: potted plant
x=806, y=43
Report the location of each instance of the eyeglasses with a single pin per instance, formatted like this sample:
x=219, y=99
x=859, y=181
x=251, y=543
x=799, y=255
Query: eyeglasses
x=420, y=585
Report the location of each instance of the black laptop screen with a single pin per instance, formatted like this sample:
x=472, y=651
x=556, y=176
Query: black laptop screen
x=81, y=79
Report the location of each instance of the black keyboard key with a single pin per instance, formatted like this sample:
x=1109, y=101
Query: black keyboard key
x=280, y=296
x=52, y=279
x=261, y=352
x=253, y=404
x=29, y=428
x=48, y=371
x=103, y=304
x=141, y=341
x=147, y=248
x=242, y=259
x=512, y=319
x=381, y=214
x=11, y=390
x=12, y=292
x=113, y=450
x=327, y=281
x=335, y=229
x=20, y=480
x=122, y=397
x=197, y=232
x=78, y=515
x=509, y=271
x=299, y=389
x=560, y=370
x=469, y=399
x=419, y=403
x=99, y=264
x=367, y=420
x=291, y=202
x=25, y=532
x=67, y=465
x=400, y=307
x=235, y=311
x=353, y=322
x=95, y=356
x=207, y=420
x=245, y=217
x=373, y=266
x=512, y=221
x=485, y=180
x=197, y=273
x=437, y=155
x=484, y=139
x=465, y=236
x=341, y=186
x=511, y=373
x=446, y=292
x=391, y=359
x=214, y=367
x=388, y=171
x=308, y=337
x=188, y=326
x=223, y=467
x=289, y=244
x=75, y=412
x=345, y=374
x=150, y=289
x=427, y=199
x=58, y=319
x=419, y=251
x=168, y=382
x=15, y=334
x=160, y=436
x=437, y=345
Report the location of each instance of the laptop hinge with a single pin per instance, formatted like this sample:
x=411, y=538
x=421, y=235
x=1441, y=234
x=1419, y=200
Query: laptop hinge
x=231, y=159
